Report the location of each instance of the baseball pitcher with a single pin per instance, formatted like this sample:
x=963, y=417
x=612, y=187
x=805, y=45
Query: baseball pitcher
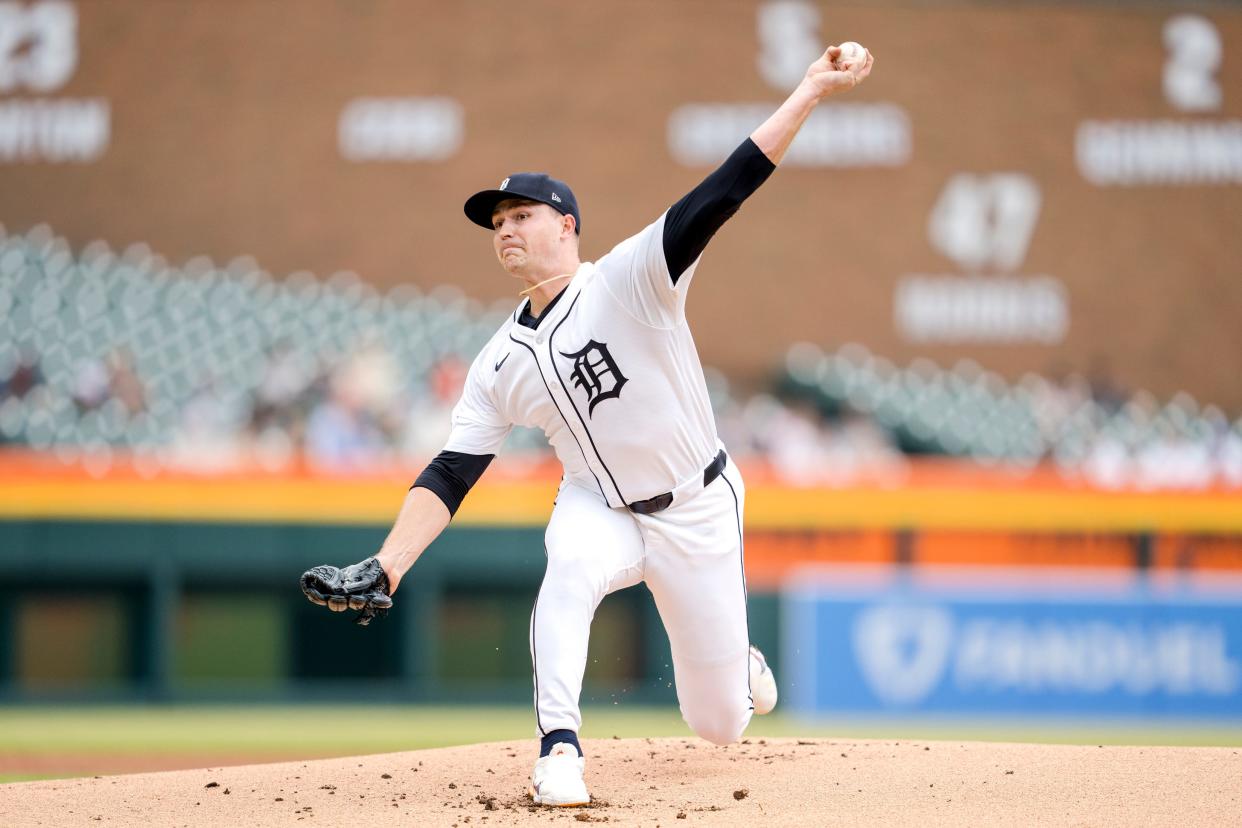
x=599, y=355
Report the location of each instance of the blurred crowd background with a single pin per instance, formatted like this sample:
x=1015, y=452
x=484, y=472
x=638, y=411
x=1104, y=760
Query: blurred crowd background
x=113, y=356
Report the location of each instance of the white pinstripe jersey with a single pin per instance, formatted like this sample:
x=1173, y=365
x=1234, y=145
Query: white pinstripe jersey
x=610, y=375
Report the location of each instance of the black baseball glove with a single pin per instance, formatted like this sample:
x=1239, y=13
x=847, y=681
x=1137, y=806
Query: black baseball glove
x=362, y=587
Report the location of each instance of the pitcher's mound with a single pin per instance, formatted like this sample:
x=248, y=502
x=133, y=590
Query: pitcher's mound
x=810, y=782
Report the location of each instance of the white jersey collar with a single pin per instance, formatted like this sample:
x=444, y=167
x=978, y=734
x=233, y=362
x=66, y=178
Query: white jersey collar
x=557, y=311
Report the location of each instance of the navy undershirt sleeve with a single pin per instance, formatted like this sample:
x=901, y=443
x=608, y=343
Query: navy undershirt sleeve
x=451, y=474
x=692, y=221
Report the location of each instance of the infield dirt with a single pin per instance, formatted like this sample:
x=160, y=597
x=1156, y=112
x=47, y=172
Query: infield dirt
x=674, y=782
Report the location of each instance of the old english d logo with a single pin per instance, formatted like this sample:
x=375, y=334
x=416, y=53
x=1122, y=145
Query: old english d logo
x=597, y=373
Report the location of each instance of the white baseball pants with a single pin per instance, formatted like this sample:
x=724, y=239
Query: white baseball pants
x=690, y=557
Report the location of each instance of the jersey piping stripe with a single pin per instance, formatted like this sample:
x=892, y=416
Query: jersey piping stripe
x=552, y=397
x=741, y=556
x=534, y=656
x=574, y=406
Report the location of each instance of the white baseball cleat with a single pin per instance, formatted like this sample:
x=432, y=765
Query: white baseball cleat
x=762, y=682
x=557, y=778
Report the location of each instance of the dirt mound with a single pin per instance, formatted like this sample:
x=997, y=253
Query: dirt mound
x=675, y=782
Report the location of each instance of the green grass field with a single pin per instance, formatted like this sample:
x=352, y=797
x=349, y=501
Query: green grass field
x=44, y=733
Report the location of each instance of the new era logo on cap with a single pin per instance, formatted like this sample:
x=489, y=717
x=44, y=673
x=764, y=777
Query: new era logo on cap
x=539, y=187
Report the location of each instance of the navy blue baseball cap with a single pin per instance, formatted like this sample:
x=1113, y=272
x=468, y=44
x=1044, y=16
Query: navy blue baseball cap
x=539, y=187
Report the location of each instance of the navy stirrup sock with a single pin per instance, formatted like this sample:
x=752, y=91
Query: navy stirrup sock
x=555, y=738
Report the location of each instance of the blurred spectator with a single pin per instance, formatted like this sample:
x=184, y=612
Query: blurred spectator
x=19, y=378
x=342, y=434
x=430, y=416
x=861, y=448
x=208, y=434
x=791, y=438
x=90, y=385
x=805, y=449
x=124, y=384
x=1229, y=456
x=1104, y=389
x=372, y=376
x=95, y=383
x=1053, y=400
x=285, y=393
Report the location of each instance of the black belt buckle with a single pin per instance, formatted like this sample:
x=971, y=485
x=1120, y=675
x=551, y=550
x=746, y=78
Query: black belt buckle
x=662, y=501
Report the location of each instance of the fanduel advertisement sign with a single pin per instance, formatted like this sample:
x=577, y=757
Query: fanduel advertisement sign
x=906, y=646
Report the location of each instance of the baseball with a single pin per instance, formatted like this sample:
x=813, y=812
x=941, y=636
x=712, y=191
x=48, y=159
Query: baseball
x=852, y=56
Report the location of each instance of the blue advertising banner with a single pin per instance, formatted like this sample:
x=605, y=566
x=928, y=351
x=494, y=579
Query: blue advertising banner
x=996, y=643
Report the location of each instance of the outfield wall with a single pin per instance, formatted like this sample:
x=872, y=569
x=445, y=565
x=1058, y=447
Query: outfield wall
x=176, y=586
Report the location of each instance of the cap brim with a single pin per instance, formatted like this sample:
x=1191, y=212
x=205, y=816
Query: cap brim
x=480, y=206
